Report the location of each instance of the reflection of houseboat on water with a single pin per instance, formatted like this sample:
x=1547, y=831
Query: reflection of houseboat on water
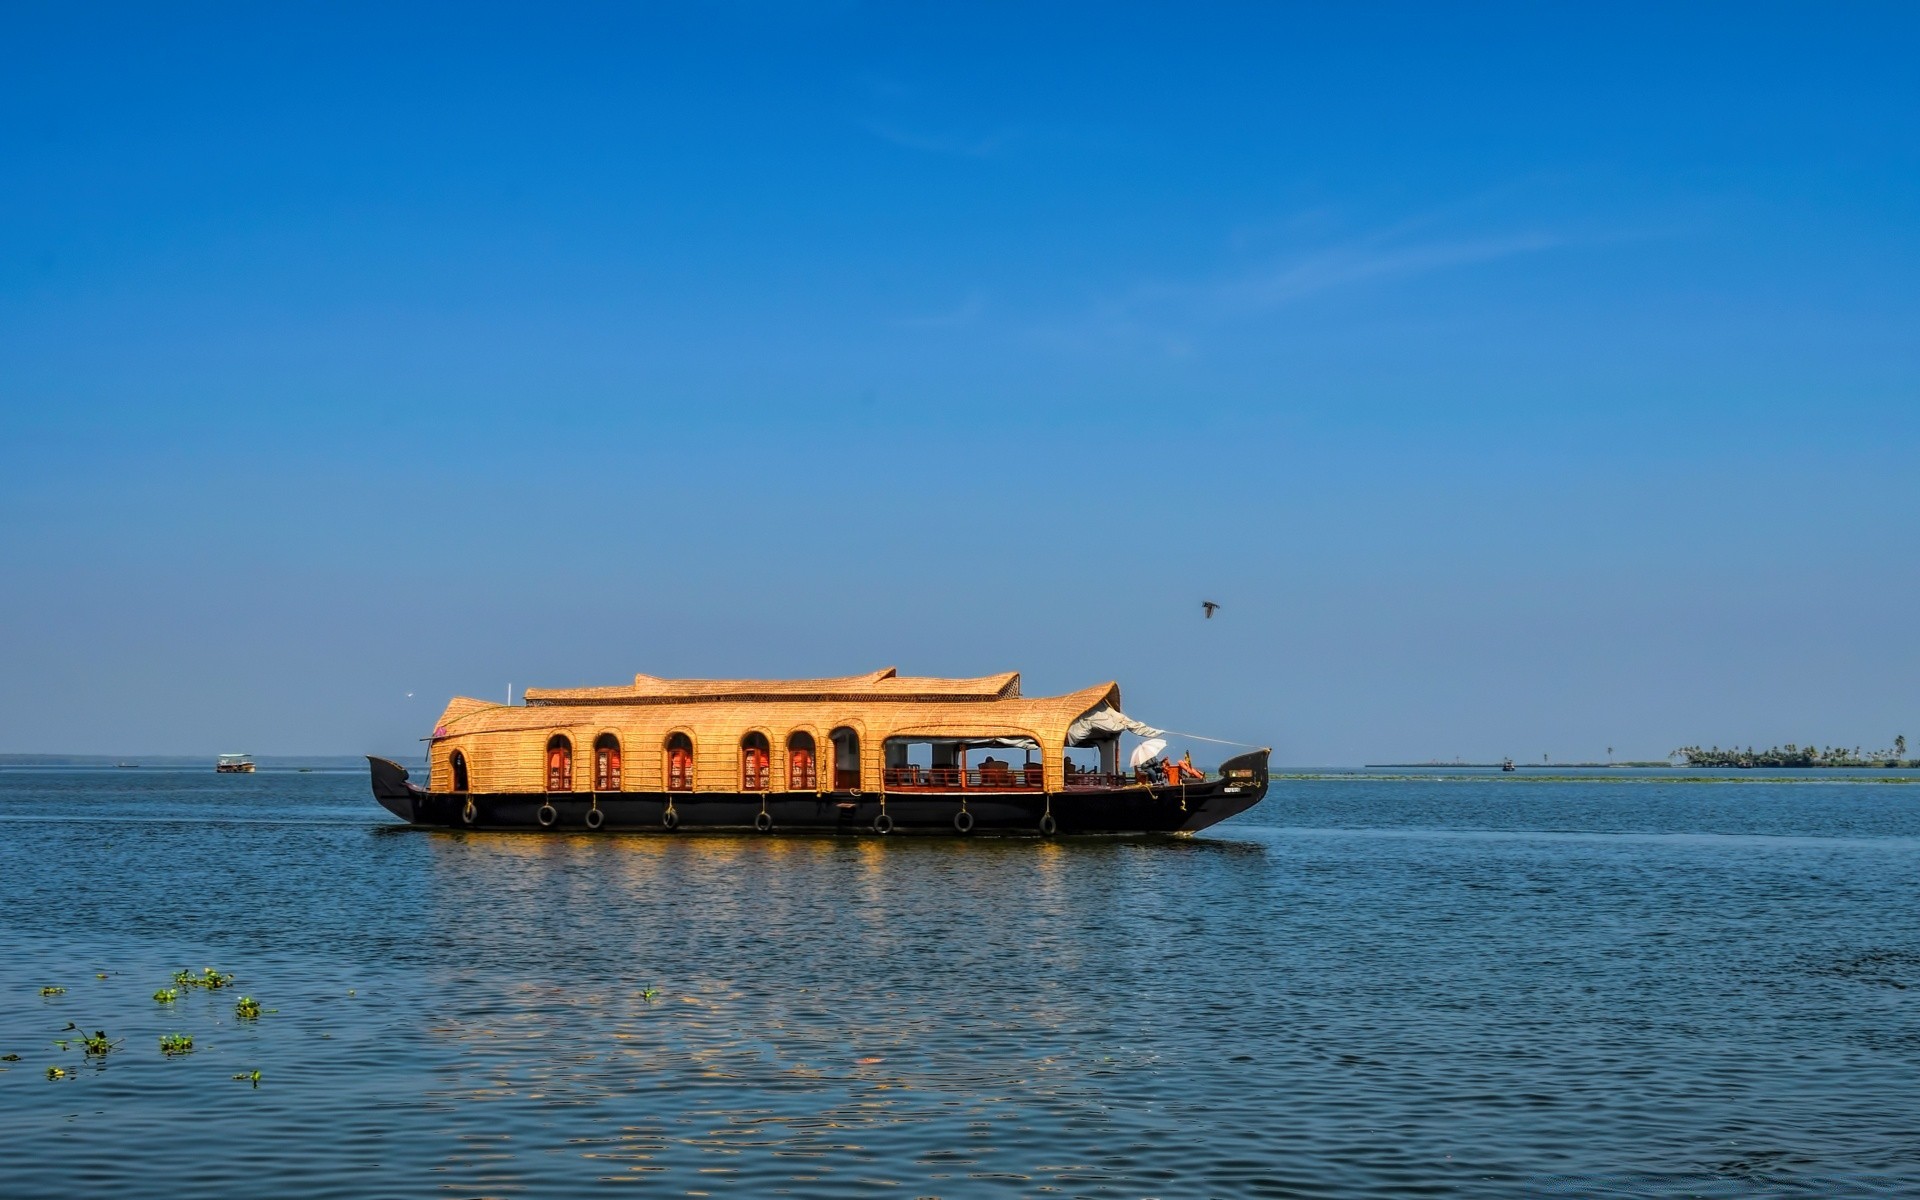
x=874, y=752
x=234, y=764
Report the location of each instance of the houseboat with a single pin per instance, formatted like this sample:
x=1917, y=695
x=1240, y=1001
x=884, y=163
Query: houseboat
x=877, y=753
x=234, y=764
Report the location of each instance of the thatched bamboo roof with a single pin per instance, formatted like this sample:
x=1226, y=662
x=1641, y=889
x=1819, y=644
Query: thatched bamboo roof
x=885, y=684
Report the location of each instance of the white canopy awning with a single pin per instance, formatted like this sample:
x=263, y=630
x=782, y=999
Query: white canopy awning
x=1104, y=722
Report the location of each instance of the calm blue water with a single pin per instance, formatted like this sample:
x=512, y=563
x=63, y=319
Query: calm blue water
x=1470, y=986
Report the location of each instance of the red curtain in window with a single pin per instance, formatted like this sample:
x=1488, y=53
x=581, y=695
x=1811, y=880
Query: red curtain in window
x=559, y=769
x=800, y=770
x=754, y=764
x=606, y=769
x=679, y=770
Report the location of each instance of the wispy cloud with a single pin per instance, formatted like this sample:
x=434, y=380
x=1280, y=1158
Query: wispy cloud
x=1175, y=314
x=966, y=313
x=953, y=145
x=1350, y=265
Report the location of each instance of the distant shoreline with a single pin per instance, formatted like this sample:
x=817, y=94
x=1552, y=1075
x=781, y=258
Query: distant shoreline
x=1518, y=766
x=1906, y=765
x=191, y=761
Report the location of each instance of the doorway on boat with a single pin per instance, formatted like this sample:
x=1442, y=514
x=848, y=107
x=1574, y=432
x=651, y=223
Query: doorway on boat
x=679, y=763
x=846, y=760
x=755, y=757
x=953, y=764
x=458, y=762
x=800, y=771
x=606, y=763
x=559, y=764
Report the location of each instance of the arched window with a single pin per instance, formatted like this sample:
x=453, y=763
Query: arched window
x=459, y=764
x=754, y=760
x=559, y=764
x=846, y=759
x=800, y=777
x=606, y=763
x=679, y=763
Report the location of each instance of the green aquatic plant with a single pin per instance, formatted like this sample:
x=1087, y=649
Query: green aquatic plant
x=95, y=1043
x=250, y=1075
x=56, y=1073
x=208, y=978
x=176, y=1043
x=649, y=993
x=9, y=1058
x=247, y=1009
x=167, y=995
x=53, y=991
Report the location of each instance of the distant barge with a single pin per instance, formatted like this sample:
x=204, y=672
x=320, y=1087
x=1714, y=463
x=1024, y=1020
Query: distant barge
x=874, y=753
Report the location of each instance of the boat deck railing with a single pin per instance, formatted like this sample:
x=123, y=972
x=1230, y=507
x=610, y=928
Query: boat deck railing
x=949, y=779
x=1026, y=778
x=1086, y=781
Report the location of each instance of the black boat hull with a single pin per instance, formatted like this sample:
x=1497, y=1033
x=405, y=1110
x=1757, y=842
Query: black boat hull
x=1137, y=809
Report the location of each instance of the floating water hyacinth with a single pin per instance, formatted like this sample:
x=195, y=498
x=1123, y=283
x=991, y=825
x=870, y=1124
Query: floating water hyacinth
x=254, y=1076
x=167, y=995
x=97, y=1043
x=53, y=991
x=56, y=1073
x=649, y=993
x=176, y=1043
x=208, y=978
x=247, y=1009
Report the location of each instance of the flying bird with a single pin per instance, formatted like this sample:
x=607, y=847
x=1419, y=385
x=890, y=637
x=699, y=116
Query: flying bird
x=1209, y=605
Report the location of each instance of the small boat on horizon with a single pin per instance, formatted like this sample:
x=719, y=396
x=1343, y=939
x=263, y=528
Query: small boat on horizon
x=865, y=753
x=234, y=764
x=126, y=766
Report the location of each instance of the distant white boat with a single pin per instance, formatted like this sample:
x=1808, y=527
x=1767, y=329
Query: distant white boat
x=234, y=764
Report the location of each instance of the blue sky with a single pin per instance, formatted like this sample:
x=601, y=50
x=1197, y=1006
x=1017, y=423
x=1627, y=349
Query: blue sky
x=1521, y=380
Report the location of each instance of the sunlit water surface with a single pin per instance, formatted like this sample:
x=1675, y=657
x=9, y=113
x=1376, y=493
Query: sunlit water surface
x=1469, y=986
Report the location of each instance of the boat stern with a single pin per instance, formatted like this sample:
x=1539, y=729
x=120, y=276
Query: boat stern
x=390, y=787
